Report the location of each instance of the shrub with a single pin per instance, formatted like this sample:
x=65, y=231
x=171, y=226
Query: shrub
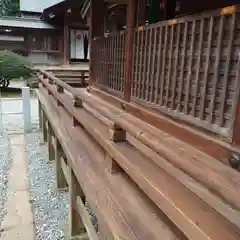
x=14, y=66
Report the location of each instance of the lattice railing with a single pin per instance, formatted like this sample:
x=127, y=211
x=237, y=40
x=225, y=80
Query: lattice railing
x=189, y=68
x=110, y=61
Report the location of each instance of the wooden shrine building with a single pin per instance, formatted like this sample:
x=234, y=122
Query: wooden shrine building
x=151, y=149
x=184, y=65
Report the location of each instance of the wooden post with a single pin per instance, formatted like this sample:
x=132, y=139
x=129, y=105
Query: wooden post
x=66, y=41
x=141, y=12
x=129, y=49
x=82, y=82
x=116, y=134
x=97, y=15
x=75, y=223
x=51, y=151
x=169, y=9
x=44, y=127
x=61, y=180
x=40, y=114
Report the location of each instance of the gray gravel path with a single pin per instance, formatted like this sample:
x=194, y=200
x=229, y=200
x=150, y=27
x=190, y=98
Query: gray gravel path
x=49, y=206
x=5, y=163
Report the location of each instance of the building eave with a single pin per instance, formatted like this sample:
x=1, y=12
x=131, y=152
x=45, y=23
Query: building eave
x=24, y=23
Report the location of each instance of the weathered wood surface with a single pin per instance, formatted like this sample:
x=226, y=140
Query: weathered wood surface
x=73, y=77
x=133, y=183
x=187, y=68
x=204, y=142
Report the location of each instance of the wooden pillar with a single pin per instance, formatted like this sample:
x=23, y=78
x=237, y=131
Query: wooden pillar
x=141, y=12
x=169, y=8
x=44, y=127
x=129, y=49
x=66, y=42
x=75, y=223
x=51, y=151
x=61, y=180
x=40, y=115
x=97, y=15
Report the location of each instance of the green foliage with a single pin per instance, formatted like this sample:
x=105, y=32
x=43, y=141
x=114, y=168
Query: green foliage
x=14, y=66
x=9, y=7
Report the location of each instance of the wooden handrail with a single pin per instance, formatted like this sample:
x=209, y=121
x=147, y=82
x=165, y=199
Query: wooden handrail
x=151, y=139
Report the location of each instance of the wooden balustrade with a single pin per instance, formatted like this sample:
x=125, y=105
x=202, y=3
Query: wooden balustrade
x=186, y=68
x=108, y=62
x=131, y=173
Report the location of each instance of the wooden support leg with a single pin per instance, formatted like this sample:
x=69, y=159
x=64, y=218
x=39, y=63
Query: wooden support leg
x=75, y=223
x=116, y=134
x=50, y=145
x=61, y=180
x=82, y=79
x=111, y=165
x=44, y=127
x=40, y=114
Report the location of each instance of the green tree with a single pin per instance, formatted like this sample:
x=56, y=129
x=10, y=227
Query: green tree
x=9, y=7
x=14, y=66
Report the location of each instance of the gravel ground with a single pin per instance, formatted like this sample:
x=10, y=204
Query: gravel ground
x=49, y=206
x=5, y=163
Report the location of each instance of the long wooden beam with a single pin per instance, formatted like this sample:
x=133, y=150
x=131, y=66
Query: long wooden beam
x=137, y=171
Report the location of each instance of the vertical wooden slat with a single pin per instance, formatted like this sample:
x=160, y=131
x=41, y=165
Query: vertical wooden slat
x=159, y=64
x=149, y=63
x=188, y=87
x=141, y=63
x=120, y=82
x=110, y=67
x=175, y=70
x=118, y=76
x=137, y=67
x=104, y=61
x=144, y=63
x=203, y=92
x=216, y=68
x=200, y=54
x=114, y=62
x=163, y=65
x=227, y=67
x=108, y=62
x=154, y=61
x=133, y=63
x=182, y=67
x=169, y=65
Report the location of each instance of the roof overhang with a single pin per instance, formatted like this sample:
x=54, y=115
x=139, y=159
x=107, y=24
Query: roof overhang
x=111, y=3
x=59, y=10
x=9, y=22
